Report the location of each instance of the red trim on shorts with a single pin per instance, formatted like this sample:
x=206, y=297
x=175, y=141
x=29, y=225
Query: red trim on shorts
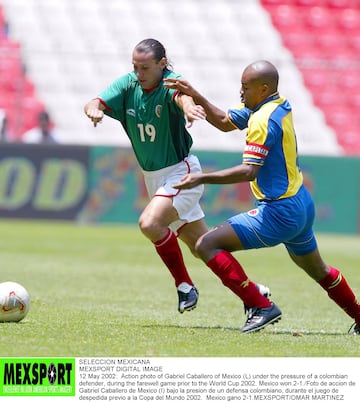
x=187, y=164
x=178, y=191
x=167, y=196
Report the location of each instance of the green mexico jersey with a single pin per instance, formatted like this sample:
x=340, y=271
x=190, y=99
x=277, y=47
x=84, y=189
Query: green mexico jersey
x=153, y=121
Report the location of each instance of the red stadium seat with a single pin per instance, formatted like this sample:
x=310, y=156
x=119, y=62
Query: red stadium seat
x=310, y=3
x=311, y=58
x=318, y=79
x=353, y=101
x=343, y=59
x=17, y=94
x=318, y=18
x=285, y=17
x=297, y=39
x=277, y=2
x=337, y=116
x=350, y=80
x=341, y=4
x=353, y=41
x=349, y=139
x=329, y=97
x=12, y=68
x=330, y=40
x=349, y=20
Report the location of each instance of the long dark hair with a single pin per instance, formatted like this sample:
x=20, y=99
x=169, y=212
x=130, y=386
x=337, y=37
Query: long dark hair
x=156, y=48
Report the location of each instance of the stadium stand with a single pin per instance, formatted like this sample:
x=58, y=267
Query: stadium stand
x=18, y=100
x=324, y=38
x=73, y=49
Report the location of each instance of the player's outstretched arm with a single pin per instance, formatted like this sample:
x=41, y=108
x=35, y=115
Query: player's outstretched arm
x=235, y=174
x=94, y=110
x=214, y=115
x=191, y=110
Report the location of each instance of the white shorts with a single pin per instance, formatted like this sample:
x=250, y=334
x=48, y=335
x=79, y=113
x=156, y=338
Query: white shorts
x=186, y=202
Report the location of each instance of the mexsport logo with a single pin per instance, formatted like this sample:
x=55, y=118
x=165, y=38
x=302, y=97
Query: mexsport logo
x=27, y=373
x=37, y=377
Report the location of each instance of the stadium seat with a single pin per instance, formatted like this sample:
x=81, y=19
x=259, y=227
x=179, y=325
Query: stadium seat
x=318, y=79
x=338, y=116
x=277, y=2
x=15, y=86
x=353, y=101
x=285, y=17
x=353, y=41
x=309, y=3
x=297, y=39
x=342, y=4
x=318, y=18
x=330, y=40
x=350, y=140
x=348, y=20
x=344, y=59
x=350, y=81
x=329, y=97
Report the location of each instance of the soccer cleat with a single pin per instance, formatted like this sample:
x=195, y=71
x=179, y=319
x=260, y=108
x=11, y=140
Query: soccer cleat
x=264, y=290
x=188, y=297
x=259, y=318
x=354, y=329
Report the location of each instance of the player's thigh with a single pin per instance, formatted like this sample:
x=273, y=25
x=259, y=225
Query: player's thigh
x=220, y=237
x=191, y=232
x=159, y=211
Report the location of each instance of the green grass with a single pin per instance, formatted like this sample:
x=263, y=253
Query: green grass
x=102, y=291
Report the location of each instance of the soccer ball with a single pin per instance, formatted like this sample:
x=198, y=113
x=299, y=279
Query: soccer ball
x=14, y=302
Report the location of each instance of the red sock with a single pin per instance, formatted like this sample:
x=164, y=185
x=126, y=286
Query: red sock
x=232, y=275
x=339, y=291
x=169, y=250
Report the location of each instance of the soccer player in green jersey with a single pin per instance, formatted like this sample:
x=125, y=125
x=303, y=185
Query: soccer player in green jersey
x=153, y=117
x=285, y=210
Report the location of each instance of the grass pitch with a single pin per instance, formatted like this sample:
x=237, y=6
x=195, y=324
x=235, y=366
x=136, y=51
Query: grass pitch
x=102, y=291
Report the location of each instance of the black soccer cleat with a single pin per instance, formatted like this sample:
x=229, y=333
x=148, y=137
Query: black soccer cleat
x=354, y=329
x=188, y=297
x=259, y=318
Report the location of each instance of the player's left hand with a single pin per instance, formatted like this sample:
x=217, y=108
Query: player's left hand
x=195, y=112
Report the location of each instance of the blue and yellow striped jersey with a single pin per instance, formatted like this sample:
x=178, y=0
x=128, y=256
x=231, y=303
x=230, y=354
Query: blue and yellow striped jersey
x=271, y=144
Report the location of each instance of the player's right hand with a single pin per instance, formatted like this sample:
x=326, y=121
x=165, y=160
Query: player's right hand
x=190, y=180
x=95, y=115
x=181, y=85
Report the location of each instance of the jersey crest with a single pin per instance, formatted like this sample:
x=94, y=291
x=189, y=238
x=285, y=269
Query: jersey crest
x=158, y=110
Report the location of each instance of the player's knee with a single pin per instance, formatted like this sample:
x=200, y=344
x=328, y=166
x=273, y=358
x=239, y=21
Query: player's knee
x=193, y=251
x=146, y=225
x=151, y=228
x=203, y=248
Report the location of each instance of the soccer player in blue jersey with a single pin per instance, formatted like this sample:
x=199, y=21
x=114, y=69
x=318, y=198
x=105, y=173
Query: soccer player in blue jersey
x=153, y=117
x=285, y=209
